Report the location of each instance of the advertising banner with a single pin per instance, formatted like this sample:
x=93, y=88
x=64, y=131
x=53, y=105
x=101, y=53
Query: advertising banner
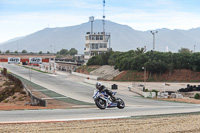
x=35, y=60
x=13, y=60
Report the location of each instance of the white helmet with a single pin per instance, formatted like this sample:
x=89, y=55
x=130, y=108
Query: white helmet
x=98, y=85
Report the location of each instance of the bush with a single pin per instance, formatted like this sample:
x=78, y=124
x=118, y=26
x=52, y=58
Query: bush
x=197, y=96
x=155, y=92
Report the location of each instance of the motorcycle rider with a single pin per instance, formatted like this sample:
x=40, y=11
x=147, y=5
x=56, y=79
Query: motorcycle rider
x=102, y=88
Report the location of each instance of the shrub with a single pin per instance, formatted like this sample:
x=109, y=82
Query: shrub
x=155, y=92
x=5, y=101
x=197, y=96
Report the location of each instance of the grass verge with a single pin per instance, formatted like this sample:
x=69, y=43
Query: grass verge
x=51, y=93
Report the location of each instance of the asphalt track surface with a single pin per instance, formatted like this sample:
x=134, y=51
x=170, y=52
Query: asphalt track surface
x=135, y=106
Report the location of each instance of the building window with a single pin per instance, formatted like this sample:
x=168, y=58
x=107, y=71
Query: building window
x=93, y=37
x=96, y=46
x=101, y=37
x=93, y=46
x=98, y=38
x=86, y=53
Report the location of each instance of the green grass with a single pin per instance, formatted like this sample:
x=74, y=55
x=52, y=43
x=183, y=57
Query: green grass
x=34, y=69
x=51, y=93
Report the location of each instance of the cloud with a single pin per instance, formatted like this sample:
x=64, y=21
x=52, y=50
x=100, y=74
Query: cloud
x=141, y=20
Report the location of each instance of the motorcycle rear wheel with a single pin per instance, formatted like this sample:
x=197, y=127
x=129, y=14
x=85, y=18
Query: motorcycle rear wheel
x=100, y=103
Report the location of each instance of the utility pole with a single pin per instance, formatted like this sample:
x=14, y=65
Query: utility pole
x=153, y=33
x=104, y=3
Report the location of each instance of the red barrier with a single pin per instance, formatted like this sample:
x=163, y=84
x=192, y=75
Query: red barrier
x=23, y=60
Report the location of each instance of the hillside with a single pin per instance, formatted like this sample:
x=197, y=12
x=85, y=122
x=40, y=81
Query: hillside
x=183, y=75
x=123, y=38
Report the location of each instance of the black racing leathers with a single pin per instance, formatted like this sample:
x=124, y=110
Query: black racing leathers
x=104, y=89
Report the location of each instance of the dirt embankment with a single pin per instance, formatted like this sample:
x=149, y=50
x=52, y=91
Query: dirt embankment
x=14, y=97
x=86, y=69
x=183, y=75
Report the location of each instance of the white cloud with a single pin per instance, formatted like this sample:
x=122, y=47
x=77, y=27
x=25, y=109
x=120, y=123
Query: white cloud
x=164, y=19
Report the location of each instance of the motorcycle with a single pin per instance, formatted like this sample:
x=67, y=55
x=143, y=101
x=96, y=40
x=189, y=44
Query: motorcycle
x=103, y=100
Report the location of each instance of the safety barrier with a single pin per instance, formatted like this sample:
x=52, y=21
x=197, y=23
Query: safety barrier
x=35, y=100
x=86, y=76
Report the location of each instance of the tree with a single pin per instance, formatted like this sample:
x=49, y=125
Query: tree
x=8, y=51
x=48, y=52
x=24, y=51
x=184, y=50
x=140, y=50
x=73, y=51
x=40, y=52
x=95, y=60
x=16, y=52
x=64, y=52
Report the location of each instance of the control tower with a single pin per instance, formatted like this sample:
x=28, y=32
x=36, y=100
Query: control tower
x=96, y=42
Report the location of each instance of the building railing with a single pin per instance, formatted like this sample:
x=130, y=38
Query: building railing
x=98, y=33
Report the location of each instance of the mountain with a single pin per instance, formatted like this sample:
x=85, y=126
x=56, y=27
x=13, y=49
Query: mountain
x=123, y=38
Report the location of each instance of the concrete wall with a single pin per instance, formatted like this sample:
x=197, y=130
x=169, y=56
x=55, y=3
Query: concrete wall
x=86, y=76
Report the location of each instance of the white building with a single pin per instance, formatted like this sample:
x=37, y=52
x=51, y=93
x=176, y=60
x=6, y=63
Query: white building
x=95, y=44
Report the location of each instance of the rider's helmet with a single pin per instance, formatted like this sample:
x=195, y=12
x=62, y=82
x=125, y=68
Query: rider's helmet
x=98, y=85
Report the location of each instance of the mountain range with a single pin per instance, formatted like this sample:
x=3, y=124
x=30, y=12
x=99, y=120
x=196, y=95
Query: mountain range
x=123, y=38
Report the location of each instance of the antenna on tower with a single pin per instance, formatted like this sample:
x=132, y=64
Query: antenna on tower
x=104, y=16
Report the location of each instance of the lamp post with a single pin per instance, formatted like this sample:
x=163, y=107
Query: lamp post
x=153, y=33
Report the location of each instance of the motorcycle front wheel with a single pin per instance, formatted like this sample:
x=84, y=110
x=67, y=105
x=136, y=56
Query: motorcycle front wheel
x=100, y=103
x=121, y=103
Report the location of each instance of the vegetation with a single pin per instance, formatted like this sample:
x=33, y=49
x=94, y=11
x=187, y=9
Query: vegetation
x=86, y=68
x=152, y=61
x=24, y=51
x=197, y=96
x=7, y=51
x=10, y=89
x=40, y=52
x=72, y=51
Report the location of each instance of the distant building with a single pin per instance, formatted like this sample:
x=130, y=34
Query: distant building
x=95, y=44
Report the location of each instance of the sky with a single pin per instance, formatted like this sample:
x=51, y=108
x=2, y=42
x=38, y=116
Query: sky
x=22, y=17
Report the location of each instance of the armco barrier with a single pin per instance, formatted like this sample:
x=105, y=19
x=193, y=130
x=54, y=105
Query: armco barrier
x=144, y=94
x=85, y=75
x=34, y=100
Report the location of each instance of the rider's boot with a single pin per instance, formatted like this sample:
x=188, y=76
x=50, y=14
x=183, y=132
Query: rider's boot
x=113, y=98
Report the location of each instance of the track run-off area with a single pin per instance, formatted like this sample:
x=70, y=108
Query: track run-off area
x=72, y=86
